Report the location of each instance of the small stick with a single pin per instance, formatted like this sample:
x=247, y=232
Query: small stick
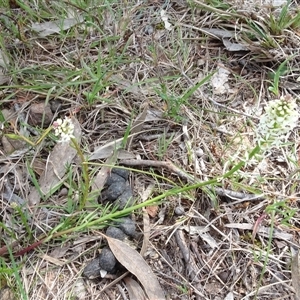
x=191, y=179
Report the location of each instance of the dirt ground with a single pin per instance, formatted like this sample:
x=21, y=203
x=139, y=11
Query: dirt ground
x=173, y=92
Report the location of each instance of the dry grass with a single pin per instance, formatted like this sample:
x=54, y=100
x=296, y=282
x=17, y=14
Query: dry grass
x=105, y=71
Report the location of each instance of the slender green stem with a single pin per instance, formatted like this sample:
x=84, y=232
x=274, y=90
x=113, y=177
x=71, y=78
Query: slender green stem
x=128, y=210
x=237, y=167
x=85, y=175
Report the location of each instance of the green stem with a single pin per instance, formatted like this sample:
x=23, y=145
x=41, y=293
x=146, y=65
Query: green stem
x=242, y=163
x=85, y=175
x=156, y=199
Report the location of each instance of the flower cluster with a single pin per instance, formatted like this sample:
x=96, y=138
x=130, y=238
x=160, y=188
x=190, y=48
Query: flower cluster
x=280, y=118
x=165, y=19
x=64, y=129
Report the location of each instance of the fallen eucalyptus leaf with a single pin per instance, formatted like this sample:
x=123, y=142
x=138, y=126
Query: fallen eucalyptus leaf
x=135, y=264
x=264, y=231
x=296, y=274
x=47, y=28
x=134, y=290
x=3, y=67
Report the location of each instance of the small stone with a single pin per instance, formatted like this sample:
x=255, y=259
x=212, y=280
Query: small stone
x=114, y=178
x=149, y=29
x=127, y=225
x=125, y=199
x=115, y=233
x=179, y=210
x=63, y=192
x=40, y=114
x=115, y=190
x=107, y=260
x=121, y=172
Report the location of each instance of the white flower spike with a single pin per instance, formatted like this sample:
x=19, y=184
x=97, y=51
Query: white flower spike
x=280, y=118
x=164, y=18
x=64, y=129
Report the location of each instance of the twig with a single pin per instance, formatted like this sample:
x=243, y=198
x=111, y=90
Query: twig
x=189, y=178
x=193, y=270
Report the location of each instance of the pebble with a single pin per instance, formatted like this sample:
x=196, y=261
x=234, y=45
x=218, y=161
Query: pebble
x=179, y=210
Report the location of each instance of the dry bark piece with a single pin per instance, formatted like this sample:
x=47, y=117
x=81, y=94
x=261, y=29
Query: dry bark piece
x=135, y=263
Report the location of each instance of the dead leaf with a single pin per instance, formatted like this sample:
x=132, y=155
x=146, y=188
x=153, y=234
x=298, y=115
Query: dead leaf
x=47, y=28
x=135, y=263
x=100, y=179
x=296, y=274
x=230, y=46
x=264, y=231
x=219, y=81
x=146, y=231
x=257, y=224
x=38, y=166
x=53, y=260
x=106, y=150
x=137, y=125
x=195, y=229
x=134, y=290
x=229, y=296
x=152, y=210
x=154, y=115
x=59, y=252
x=61, y=156
x=226, y=36
x=3, y=66
x=79, y=289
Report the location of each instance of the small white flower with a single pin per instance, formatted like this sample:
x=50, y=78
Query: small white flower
x=280, y=118
x=64, y=129
x=165, y=18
